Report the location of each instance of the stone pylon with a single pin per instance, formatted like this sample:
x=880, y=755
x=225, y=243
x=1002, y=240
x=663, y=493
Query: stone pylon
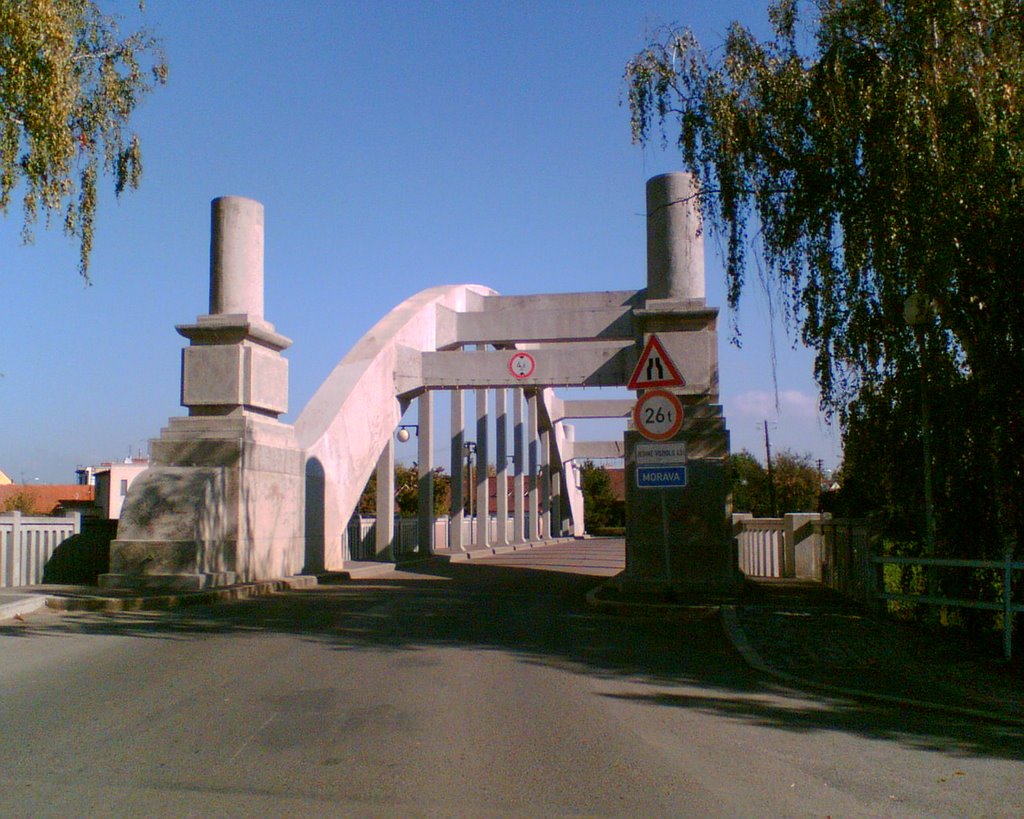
x=680, y=537
x=222, y=501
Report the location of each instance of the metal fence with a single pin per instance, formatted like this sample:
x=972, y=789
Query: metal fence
x=1006, y=605
x=26, y=543
x=845, y=551
x=839, y=552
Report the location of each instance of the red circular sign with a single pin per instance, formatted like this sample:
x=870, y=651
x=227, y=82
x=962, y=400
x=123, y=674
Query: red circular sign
x=521, y=365
x=658, y=415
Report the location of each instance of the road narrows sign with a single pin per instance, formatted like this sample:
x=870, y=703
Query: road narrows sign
x=655, y=368
x=658, y=415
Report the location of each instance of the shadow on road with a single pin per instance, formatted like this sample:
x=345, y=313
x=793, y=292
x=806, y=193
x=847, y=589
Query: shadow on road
x=541, y=617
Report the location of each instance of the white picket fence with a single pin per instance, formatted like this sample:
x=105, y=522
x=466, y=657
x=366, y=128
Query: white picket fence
x=26, y=543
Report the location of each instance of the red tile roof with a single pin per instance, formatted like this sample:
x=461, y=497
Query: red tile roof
x=47, y=498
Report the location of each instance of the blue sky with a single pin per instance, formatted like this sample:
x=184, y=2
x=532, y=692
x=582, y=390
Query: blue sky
x=395, y=146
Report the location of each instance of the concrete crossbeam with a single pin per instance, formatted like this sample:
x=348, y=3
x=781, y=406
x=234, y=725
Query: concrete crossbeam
x=557, y=365
x=597, y=408
x=597, y=365
x=597, y=449
x=510, y=326
x=598, y=300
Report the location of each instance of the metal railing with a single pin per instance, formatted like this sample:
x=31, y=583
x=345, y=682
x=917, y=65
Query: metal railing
x=27, y=543
x=1008, y=608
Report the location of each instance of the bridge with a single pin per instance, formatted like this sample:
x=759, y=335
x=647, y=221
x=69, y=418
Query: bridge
x=235, y=494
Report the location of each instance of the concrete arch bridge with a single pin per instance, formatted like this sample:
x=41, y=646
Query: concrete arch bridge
x=235, y=494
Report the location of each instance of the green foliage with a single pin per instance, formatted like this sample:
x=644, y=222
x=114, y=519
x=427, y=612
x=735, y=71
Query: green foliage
x=69, y=84
x=407, y=492
x=796, y=479
x=797, y=482
x=749, y=485
x=601, y=508
x=883, y=160
x=22, y=501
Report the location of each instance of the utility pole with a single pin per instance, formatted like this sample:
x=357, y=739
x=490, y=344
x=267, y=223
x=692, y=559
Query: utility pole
x=771, y=479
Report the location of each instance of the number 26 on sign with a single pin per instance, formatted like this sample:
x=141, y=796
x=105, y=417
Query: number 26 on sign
x=658, y=415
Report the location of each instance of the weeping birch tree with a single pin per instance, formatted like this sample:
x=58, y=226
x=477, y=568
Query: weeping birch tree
x=866, y=152
x=69, y=84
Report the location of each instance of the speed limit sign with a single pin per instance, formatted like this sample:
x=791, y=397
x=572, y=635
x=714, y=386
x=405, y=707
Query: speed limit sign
x=658, y=415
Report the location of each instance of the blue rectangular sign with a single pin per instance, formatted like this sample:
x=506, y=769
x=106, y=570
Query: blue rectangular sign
x=660, y=477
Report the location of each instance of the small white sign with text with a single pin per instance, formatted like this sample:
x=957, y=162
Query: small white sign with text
x=660, y=454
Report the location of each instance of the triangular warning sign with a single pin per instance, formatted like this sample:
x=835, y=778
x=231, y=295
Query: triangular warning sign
x=655, y=369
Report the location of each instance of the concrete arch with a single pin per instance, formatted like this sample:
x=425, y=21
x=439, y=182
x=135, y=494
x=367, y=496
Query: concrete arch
x=352, y=416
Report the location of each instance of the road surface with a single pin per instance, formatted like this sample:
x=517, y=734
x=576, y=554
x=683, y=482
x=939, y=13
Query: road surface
x=476, y=689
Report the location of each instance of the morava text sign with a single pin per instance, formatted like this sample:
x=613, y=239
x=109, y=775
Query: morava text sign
x=660, y=477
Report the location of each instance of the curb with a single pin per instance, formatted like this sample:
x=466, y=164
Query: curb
x=24, y=605
x=141, y=602
x=734, y=631
x=694, y=612
x=491, y=551
x=359, y=570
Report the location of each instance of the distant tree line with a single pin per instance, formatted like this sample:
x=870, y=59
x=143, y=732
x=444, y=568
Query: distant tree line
x=795, y=484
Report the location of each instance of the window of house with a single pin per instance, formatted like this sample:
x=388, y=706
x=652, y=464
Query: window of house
x=124, y=487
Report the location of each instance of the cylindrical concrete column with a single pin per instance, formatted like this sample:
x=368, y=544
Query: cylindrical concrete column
x=675, y=245
x=236, y=256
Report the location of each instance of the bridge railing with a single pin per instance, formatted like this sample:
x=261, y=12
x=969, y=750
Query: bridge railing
x=358, y=539
x=789, y=546
x=26, y=543
x=761, y=544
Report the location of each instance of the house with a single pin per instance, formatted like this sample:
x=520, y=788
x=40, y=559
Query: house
x=112, y=481
x=4, y=480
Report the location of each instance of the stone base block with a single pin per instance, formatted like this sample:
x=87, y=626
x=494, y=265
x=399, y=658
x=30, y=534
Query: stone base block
x=680, y=537
x=167, y=582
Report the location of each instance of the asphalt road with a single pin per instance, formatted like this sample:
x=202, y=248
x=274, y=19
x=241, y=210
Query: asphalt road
x=474, y=689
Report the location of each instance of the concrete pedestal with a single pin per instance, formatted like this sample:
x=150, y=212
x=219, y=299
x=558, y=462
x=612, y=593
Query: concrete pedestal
x=220, y=504
x=681, y=538
x=223, y=499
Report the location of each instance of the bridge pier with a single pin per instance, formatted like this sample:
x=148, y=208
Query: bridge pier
x=223, y=498
x=679, y=537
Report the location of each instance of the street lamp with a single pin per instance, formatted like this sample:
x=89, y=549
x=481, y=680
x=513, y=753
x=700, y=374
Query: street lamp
x=919, y=313
x=403, y=432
